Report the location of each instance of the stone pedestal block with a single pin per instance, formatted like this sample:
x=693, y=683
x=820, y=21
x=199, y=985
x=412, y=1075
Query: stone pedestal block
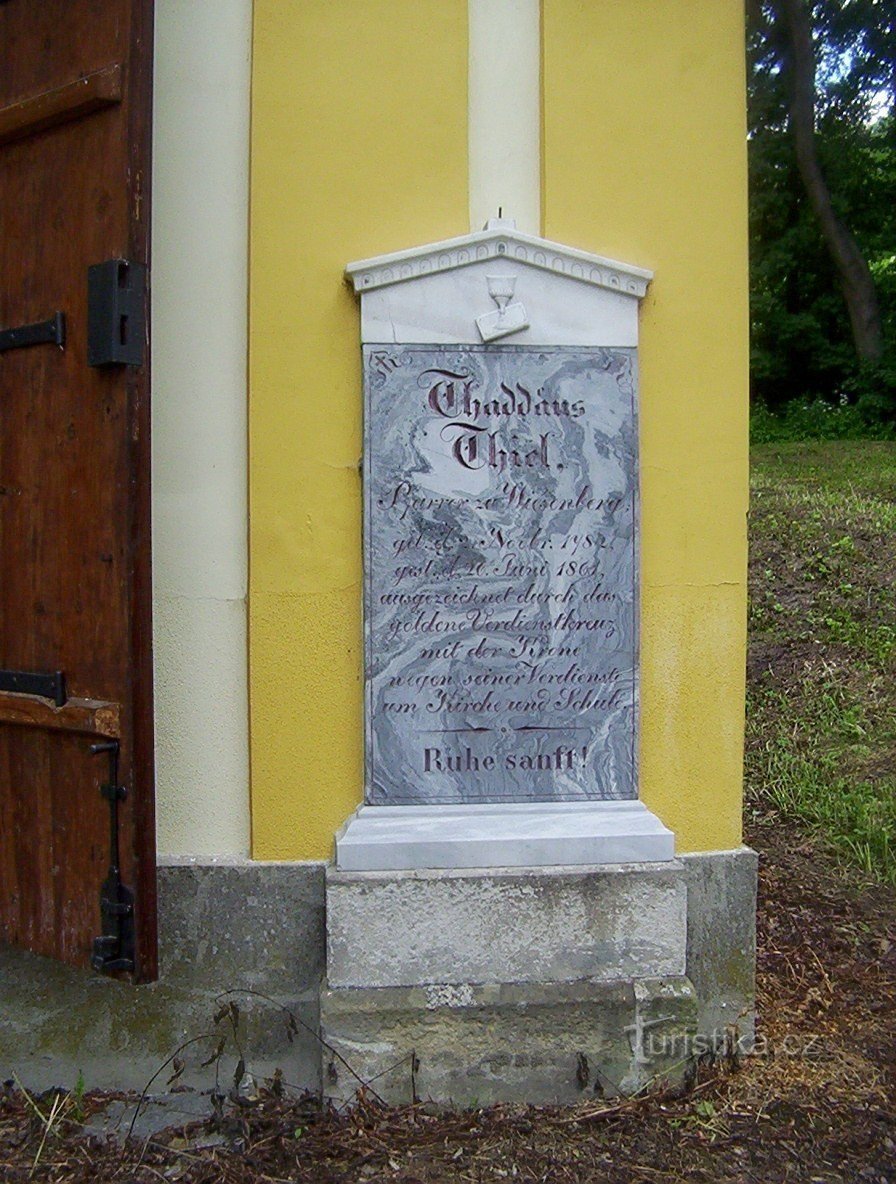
x=543, y=984
x=547, y=1043
x=401, y=929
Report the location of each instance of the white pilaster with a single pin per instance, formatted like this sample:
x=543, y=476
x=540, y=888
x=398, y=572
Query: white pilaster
x=504, y=137
x=199, y=300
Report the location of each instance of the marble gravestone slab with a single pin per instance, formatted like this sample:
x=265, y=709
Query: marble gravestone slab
x=501, y=591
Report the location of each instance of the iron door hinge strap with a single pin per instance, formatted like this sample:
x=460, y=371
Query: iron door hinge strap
x=50, y=332
x=26, y=682
x=113, y=950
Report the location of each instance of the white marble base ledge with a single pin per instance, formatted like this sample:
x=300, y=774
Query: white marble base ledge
x=532, y=834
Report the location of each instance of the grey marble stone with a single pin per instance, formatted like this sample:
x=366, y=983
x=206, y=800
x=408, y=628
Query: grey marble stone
x=501, y=573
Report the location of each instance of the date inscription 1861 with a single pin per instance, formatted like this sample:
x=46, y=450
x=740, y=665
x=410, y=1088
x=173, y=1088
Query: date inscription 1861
x=501, y=573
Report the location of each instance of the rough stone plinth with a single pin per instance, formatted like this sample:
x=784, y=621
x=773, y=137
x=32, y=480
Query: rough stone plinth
x=259, y=927
x=476, y=1045
x=536, y=925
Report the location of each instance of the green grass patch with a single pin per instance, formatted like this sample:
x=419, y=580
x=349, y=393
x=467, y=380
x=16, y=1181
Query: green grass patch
x=821, y=704
x=854, y=467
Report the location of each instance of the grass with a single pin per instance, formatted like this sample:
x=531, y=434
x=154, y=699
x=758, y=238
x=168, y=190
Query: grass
x=821, y=704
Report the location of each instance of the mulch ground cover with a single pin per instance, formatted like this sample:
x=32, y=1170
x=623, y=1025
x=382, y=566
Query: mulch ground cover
x=815, y=1103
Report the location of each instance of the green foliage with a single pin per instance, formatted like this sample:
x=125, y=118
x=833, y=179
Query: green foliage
x=801, y=342
x=821, y=704
x=801, y=419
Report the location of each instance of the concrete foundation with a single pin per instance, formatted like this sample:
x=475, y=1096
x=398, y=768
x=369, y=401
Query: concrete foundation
x=233, y=928
x=721, y=943
x=482, y=1030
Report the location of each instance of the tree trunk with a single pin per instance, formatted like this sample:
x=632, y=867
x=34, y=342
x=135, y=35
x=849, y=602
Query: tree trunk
x=855, y=277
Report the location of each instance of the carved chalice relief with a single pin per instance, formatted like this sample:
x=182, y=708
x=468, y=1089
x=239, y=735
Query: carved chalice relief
x=510, y=318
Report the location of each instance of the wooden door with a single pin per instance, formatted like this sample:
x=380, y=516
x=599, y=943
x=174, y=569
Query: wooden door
x=75, y=582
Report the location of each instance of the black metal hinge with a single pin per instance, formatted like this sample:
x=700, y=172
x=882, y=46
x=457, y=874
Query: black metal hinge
x=51, y=332
x=113, y=950
x=26, y=682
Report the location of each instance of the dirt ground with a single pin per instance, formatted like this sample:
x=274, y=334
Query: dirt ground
x=816, y=1103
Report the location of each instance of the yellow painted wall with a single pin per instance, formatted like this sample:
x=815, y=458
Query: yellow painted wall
x=359, y=146
x=644, y=159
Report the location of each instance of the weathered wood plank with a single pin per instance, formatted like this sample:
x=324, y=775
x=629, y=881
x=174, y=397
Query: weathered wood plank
x=91, y=93
x=90, y=716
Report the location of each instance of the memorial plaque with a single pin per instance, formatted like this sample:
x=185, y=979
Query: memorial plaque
x=501, y=598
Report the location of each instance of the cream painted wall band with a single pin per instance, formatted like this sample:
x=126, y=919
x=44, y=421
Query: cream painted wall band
x=504, y=111
x=199, y=462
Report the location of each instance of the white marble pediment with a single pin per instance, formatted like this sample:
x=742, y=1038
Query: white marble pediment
x=498, y=285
